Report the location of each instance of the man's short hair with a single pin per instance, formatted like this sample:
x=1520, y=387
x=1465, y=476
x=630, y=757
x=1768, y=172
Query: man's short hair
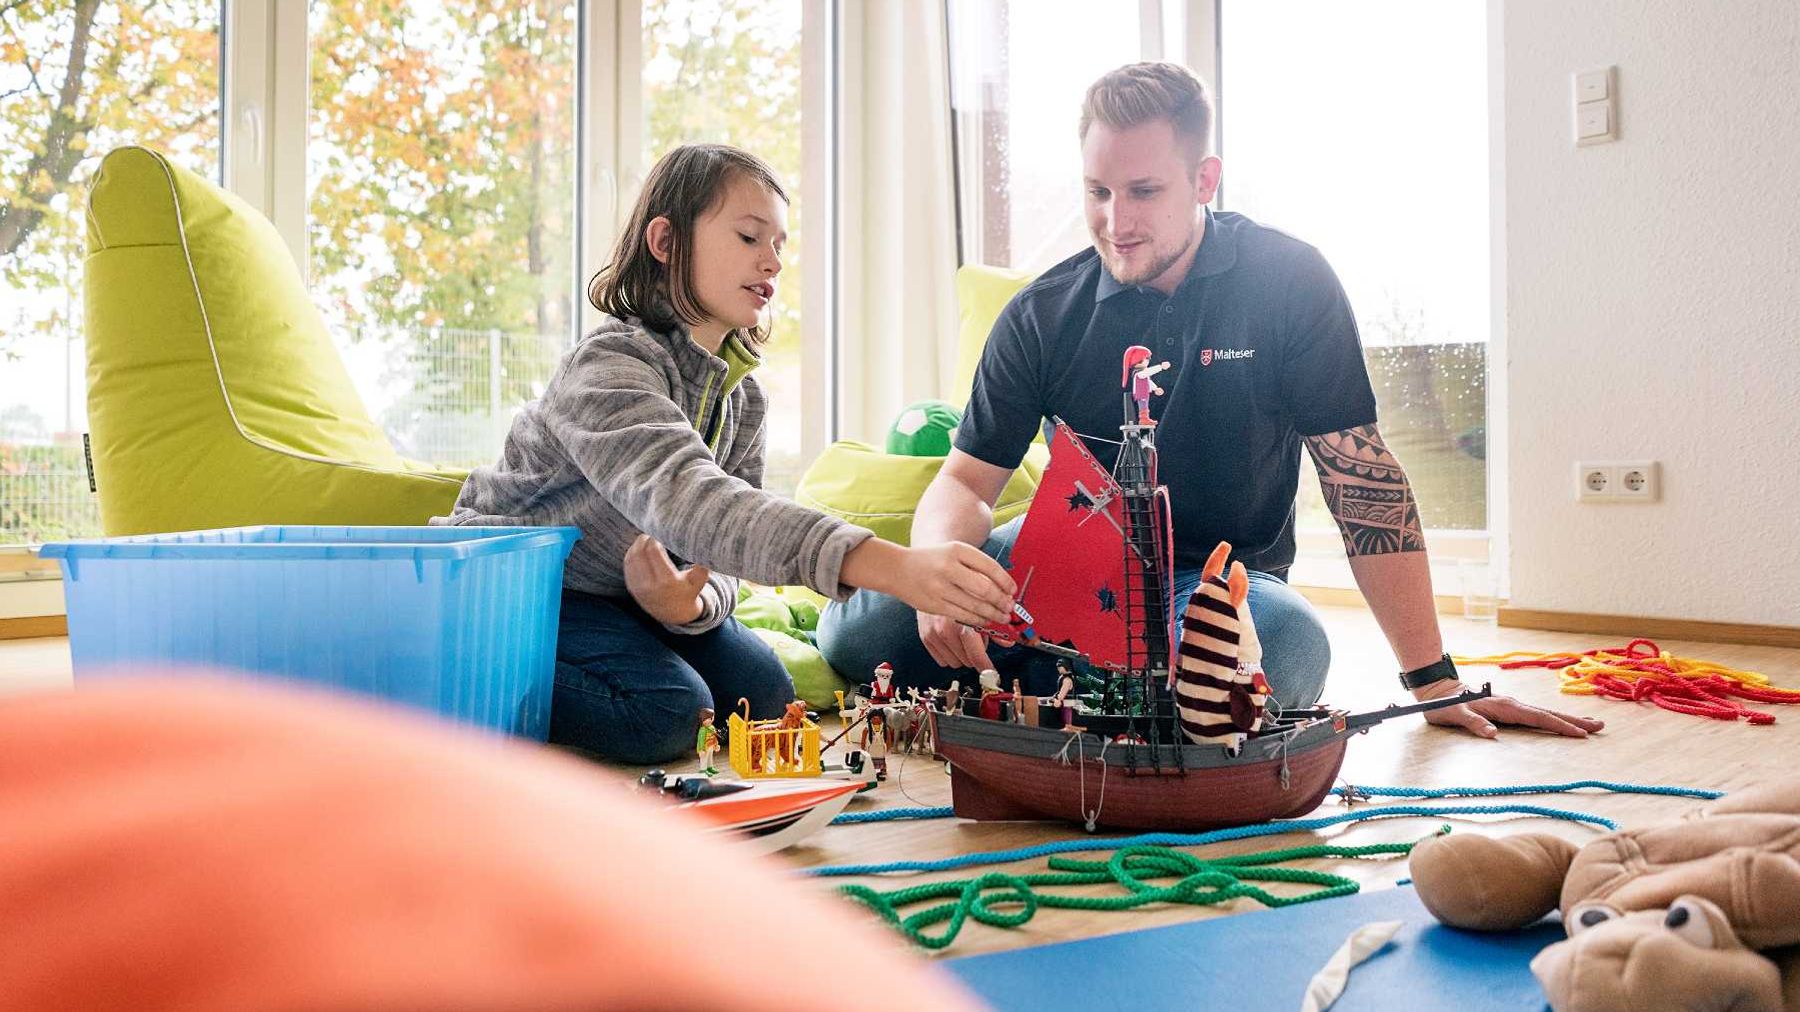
x=1140, y=93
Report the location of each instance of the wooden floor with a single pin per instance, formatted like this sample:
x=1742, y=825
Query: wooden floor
x=1641, y=744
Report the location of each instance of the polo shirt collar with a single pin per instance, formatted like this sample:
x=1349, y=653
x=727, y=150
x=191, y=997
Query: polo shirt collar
x=1217, y=254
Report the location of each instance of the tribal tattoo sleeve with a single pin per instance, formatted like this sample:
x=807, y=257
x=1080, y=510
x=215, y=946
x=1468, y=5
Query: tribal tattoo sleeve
x=1366, y=491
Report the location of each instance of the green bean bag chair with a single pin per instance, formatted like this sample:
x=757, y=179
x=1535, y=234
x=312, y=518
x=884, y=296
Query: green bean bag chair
x=215, y=395
x=785, y=619
x=880, y=491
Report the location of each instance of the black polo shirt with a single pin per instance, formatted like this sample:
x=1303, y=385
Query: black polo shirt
x=1263, y=349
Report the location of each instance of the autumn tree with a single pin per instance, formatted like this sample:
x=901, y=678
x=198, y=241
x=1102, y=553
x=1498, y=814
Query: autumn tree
x=78, y=78
x=441, y=169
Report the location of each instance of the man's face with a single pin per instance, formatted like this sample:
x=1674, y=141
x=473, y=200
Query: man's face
x=1143, y=201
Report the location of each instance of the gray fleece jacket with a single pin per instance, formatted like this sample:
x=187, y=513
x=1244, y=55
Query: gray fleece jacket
x=646, y=432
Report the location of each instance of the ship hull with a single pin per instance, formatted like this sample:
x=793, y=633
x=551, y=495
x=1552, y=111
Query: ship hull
x=1002, y=771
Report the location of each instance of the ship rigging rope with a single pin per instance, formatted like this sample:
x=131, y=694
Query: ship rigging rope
x=1274, y=828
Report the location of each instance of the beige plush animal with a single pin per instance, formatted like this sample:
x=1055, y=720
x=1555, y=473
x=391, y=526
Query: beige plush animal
x=1702, y=913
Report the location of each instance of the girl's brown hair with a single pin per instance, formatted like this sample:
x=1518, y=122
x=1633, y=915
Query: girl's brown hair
x=685, y=184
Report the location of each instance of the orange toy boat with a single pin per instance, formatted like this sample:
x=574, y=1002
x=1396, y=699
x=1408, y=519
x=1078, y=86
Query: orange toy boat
x=769, y=814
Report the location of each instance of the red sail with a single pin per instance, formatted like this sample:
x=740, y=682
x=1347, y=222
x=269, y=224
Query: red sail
x=1069, y=560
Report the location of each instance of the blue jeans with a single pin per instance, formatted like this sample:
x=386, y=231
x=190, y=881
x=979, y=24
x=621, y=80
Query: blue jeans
x=630, y=691
x=871, y=628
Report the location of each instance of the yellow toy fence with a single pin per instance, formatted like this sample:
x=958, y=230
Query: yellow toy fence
x=783, y=747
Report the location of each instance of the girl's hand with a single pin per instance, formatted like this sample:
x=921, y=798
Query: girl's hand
x=954, y=580
x=669, y=595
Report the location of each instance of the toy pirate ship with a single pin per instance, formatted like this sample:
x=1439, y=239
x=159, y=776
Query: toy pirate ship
x=1183, y=746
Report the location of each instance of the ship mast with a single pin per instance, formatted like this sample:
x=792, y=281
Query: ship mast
x=1143, y=691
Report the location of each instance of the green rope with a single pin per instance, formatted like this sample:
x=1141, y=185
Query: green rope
x=1008, y=901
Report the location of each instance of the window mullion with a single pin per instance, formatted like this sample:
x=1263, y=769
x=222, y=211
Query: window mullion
x=602, y=67
x=264, y=129
x=819, y=321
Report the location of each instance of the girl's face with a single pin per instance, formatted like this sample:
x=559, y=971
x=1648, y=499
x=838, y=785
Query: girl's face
x=737, y=255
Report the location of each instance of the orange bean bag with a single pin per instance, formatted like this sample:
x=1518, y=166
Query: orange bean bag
x=194, y=843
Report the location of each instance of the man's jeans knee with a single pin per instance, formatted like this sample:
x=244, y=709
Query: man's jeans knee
x=871, y=628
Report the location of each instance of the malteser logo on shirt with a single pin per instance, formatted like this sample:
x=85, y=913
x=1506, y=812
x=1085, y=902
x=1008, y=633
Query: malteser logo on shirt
x=1224, y=354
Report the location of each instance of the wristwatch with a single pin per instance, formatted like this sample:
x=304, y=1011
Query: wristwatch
x=1436, y=671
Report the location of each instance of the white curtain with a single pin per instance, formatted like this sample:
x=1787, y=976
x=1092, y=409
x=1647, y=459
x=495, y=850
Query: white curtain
x=898, y=214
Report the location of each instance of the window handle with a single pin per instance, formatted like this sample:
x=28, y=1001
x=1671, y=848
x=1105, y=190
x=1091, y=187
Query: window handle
x=250, y=120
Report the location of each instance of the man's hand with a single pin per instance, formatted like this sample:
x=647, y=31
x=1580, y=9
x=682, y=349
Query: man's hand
x=1479, y=717
x=669, y=595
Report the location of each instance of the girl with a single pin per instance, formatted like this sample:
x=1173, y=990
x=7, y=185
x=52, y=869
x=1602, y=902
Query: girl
x=649, y=437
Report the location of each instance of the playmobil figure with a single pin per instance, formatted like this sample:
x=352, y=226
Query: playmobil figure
x=875, y=740
x=1065, y=688
x=1138, y=376
x=706, y=742
x=991, y=697
x=881, y=688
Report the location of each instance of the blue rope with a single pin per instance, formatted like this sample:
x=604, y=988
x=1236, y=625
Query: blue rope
x=1201, y=839
x=1490, y=792
x=890, y=814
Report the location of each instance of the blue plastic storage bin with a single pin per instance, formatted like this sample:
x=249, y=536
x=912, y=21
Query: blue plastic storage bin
x=460, y=621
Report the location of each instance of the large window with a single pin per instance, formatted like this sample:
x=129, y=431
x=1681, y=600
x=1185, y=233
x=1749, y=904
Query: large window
x=77, y=79
x=1362, y=128
x=441, y=208
x=435, y=165
x=1018, y=71
x=728, y=71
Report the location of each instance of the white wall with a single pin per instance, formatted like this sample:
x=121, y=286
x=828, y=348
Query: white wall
x=1653, y=307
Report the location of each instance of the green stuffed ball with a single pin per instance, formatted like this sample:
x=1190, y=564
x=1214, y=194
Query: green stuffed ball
x=925, y=429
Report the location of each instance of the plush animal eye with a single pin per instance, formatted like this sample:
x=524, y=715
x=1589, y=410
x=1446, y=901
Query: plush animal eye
x=1588, y=915
x=1690, y=923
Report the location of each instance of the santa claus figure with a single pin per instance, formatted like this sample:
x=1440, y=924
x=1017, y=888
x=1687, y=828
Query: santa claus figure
x=881, y=690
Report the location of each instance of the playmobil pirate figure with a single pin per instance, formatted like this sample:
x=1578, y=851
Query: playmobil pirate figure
x=1137, y=377
x=1065, y=688
x=706, y=742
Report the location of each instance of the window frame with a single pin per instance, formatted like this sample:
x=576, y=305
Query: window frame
x=263, y=123
x=1319, y=559
x=1189, y=32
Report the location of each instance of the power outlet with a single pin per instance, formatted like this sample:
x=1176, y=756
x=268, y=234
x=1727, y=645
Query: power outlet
x=1638, y=481
x=1594, y=481
x=1617, y=481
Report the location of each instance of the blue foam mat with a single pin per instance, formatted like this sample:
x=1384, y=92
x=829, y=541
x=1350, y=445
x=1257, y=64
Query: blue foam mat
x=1264, y=959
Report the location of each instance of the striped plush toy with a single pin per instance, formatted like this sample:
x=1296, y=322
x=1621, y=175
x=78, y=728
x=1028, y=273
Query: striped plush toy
x=1220, y=692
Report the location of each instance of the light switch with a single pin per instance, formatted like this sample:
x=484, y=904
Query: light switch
x=1593, y=85
x=1592, y=121
x=1595, y=102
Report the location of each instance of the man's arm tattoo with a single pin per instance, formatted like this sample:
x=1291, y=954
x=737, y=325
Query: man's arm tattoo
x=1366, y=490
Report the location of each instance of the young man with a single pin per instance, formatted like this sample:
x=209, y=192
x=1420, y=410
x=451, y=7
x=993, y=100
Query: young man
x=1266, y=359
